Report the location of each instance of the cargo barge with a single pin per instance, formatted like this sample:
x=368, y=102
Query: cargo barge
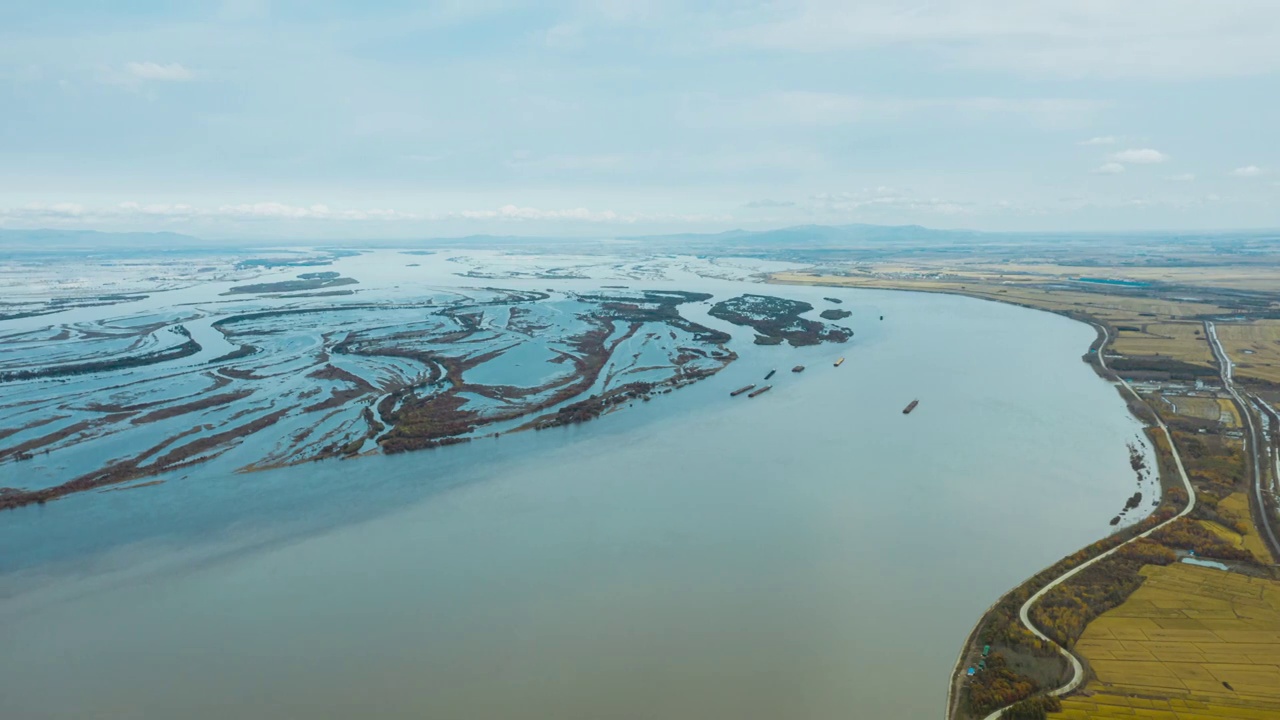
x=761, y=391
x=740, y=390
x=798, y=368
x=839, y=362
x=912, y=406
x=771, y=372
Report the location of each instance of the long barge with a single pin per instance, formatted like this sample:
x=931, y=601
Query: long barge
x=912, y=406
x=839, y=362
x=761, y=391
x=741, y=390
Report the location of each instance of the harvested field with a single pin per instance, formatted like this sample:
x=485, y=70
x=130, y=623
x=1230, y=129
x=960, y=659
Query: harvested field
x=1206, y=408
x=1237, y=505
x=1253, y=347
x=1184, y=342
x=1248, y=541
x=1191, y=642
x=1103, y=706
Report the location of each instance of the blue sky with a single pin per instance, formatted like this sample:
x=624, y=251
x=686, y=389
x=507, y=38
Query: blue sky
x=394, y=119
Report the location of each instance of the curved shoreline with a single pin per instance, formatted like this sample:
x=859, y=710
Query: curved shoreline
x=1077, y=678
x=1078, y=675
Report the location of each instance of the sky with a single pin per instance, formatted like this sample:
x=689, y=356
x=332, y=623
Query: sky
x=292, y=119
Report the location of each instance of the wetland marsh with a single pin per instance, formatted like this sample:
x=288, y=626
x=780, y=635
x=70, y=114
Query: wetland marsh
x=802, y=553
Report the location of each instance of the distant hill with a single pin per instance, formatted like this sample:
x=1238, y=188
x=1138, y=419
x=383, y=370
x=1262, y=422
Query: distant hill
x=813, y=241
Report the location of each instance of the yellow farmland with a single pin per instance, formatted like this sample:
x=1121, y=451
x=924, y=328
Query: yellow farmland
x=1191, y=643
x=1182, y=341
x=1236, y=505
x=1105, y=706
x=1254, y=348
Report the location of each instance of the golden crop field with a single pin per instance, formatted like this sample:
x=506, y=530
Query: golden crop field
x=1105, y=706
x=1253, y=347
x=1184, y=341
x=1190, y=643
x=1237, y=505
x=1250, y=542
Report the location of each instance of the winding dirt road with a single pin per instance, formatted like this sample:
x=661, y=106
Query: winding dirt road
x=1077, y=669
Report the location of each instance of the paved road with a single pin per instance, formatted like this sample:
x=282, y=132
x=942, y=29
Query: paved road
x=1077, y=670
x=1227, y=369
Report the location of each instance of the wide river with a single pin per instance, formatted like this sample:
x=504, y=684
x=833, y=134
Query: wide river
x=810, y=553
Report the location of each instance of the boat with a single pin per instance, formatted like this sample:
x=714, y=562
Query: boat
x=740, y=390
x=761, y=391
x=910, y=407
x=839, y=362
x=771, y=372
x=798, y=368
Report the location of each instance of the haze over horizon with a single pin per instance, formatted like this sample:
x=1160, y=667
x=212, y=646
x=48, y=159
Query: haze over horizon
x=250, y=118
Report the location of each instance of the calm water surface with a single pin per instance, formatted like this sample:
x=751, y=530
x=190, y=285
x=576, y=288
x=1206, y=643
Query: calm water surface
x=811, y=553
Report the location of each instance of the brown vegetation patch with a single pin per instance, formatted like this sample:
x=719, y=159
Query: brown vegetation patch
x=194, y=406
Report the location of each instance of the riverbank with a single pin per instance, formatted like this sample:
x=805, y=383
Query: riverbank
x=737, y=535
x=1055, y=606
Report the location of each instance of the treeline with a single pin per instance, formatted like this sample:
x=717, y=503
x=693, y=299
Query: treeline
x=1210, y=460
x=998, y=686
x=1036, y=708
x=1189, y=535
x=1173, y=369
x=1003, y=628
x=1064, y=612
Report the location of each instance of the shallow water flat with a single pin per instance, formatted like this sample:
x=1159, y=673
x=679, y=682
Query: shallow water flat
x=811, y=552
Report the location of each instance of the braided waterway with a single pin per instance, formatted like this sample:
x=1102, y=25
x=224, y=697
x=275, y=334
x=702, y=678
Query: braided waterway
x=811, y=552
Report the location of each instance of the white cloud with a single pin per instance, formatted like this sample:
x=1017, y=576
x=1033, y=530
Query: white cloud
x=167, y=212
x=1182, y=177
x=1248, y=171
x=1111, y=168
x=1101, y=140
x=1141, y=156
x=515, y=212
x=170, y=215
x=275, y=210
x=171, y=72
